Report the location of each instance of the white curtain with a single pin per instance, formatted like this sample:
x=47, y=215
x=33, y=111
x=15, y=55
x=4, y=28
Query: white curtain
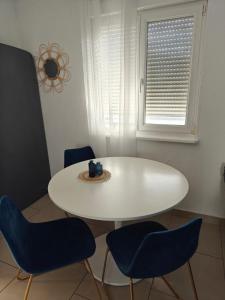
x=109, y=60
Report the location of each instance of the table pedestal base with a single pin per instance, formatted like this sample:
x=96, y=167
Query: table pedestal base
x=113, y=276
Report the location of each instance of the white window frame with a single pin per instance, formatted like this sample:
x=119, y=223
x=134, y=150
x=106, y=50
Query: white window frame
x=175, y=133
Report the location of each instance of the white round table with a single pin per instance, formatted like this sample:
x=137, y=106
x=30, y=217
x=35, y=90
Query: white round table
x=138, y=188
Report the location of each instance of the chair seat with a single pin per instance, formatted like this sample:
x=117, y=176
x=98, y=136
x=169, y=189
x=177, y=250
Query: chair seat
x=56, y=244
x=124, y=242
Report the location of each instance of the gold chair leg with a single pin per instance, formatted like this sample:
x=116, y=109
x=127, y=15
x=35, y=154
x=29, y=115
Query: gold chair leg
x=192, y=280
x=28, y=287
x=131, y=289
x=19, y=277
x=103, y=274
x=90, y=271
x=104, y=267
x=171, y=288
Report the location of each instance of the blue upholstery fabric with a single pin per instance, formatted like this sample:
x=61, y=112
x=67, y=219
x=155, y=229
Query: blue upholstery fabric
x=73, y=156
x=148, y=249
x=42, y=247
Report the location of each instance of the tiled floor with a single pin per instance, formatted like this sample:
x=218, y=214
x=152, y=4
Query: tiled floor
x=74, y=282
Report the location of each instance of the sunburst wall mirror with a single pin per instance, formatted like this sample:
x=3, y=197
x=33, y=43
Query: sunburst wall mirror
x=52, y=67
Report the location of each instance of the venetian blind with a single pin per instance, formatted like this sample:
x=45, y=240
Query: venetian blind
x=168, y=70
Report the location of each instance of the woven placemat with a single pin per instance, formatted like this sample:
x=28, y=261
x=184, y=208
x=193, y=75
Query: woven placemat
x=84, y=176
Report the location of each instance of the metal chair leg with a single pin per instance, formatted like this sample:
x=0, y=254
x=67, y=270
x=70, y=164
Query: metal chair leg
x=171, y=288
x=28, y=287
x=131, y=289
x=192, y=280
x=104, y=267
x=103, y=274
x=19, y=277
x=90, y=271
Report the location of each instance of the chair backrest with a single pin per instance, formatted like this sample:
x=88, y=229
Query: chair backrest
x=165, y=251
x=15, y=229
x=73, y=156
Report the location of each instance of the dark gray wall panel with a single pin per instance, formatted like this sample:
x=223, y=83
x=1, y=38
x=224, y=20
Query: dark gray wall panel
x=24, y=165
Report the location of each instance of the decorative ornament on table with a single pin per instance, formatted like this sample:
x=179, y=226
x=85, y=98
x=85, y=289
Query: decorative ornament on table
x=98, y=169
x=52, y=67
x=92, y=169
x=95, y=173
x=95, y=169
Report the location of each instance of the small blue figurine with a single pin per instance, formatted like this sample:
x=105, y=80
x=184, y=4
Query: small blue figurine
x=92, y=168
x=98, y=169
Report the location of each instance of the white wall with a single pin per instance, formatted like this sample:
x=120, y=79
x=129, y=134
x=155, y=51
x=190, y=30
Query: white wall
x=65, y=116
x=9, y=33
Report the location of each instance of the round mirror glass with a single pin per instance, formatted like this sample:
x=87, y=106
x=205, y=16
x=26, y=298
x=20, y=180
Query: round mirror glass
x=51, y=68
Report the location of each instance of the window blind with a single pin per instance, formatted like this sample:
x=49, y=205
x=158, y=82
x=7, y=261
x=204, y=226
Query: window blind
x=168, y=70
x=111, y=68
x=117, y=55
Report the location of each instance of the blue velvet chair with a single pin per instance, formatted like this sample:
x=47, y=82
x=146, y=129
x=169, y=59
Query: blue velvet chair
x=41, y=247
x=73, y=156
x=149, y=250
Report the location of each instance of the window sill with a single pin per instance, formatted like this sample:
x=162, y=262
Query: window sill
x=168, y=137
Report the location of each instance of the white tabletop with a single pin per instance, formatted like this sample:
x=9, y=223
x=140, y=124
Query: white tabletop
x=138, y=188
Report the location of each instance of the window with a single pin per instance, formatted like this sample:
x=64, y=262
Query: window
x=111, y=47
x=114, y=50
x=168, y=66
x=170, y=43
